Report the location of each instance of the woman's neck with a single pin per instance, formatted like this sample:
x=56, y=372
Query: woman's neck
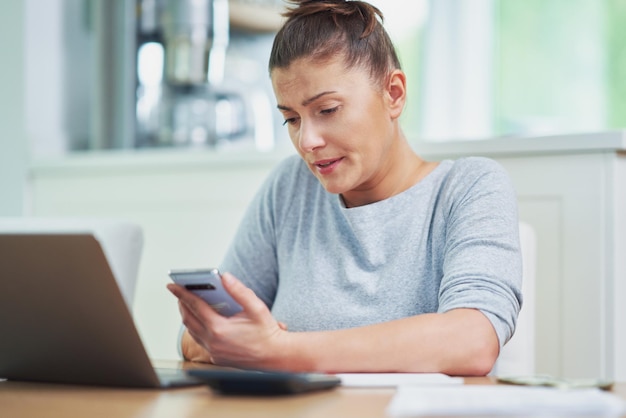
x=403, y=169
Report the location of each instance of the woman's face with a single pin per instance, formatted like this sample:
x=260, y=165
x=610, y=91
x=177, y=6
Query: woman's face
x=342, y=125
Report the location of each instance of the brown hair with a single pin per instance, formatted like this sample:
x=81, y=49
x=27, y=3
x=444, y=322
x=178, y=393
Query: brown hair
x=321, y=29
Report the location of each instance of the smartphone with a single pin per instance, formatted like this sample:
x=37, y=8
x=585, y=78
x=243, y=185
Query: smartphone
x=251, y=382
x=207, y=283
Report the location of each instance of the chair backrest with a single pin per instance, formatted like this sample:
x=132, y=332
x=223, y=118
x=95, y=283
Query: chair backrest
x=517, y=357
x=121, y=241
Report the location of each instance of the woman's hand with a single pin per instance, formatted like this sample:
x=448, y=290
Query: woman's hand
x=193, y=351
x=251, y=338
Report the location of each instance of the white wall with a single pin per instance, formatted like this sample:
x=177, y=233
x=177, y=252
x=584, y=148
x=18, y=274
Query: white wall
x=13, y=142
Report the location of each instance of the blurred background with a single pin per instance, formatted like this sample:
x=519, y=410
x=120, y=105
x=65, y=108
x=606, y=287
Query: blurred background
x=95, y=74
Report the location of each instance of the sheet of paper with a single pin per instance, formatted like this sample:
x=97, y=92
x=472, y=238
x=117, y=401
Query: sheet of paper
x=503, y=400
x=396, y=379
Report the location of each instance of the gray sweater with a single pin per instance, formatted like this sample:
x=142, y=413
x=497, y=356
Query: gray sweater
x=450, y=241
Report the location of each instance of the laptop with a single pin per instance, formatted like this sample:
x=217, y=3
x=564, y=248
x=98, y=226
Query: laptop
x=63, y=317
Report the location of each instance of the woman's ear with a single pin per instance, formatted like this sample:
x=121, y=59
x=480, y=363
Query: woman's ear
x=396, y=93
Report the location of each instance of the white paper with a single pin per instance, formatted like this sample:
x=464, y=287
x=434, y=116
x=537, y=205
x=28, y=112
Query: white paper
x=396, y=379
x=503, y=400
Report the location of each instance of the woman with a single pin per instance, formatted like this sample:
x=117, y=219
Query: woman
x=358, y=255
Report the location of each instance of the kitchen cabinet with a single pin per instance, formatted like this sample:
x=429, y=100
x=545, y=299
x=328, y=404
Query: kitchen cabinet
x=572, y=190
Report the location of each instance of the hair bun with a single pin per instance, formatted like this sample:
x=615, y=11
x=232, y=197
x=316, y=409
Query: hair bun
x=327, y=28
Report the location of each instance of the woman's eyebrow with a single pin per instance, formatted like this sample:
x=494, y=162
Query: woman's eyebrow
x=308, y=101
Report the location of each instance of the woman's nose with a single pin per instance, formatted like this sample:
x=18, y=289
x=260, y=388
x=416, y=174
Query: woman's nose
x=310, y=138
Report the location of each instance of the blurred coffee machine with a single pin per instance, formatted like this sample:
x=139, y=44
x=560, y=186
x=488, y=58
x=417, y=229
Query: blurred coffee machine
x=124, y=74
x=182, y=73
x=180, y=57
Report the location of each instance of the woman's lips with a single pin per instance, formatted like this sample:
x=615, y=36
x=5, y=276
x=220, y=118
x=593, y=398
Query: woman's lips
x=327, y=166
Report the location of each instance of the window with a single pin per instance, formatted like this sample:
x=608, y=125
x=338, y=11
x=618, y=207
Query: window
x=500, y=68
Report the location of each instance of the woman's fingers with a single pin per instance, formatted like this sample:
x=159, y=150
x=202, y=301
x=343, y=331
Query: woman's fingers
x=249, y=301
x=194, y=304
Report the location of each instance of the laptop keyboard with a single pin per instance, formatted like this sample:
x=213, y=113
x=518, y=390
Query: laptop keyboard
x=175, y=377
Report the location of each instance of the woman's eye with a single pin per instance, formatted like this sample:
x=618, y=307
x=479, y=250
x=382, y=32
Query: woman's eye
x=329, y=111
x=290, y=121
